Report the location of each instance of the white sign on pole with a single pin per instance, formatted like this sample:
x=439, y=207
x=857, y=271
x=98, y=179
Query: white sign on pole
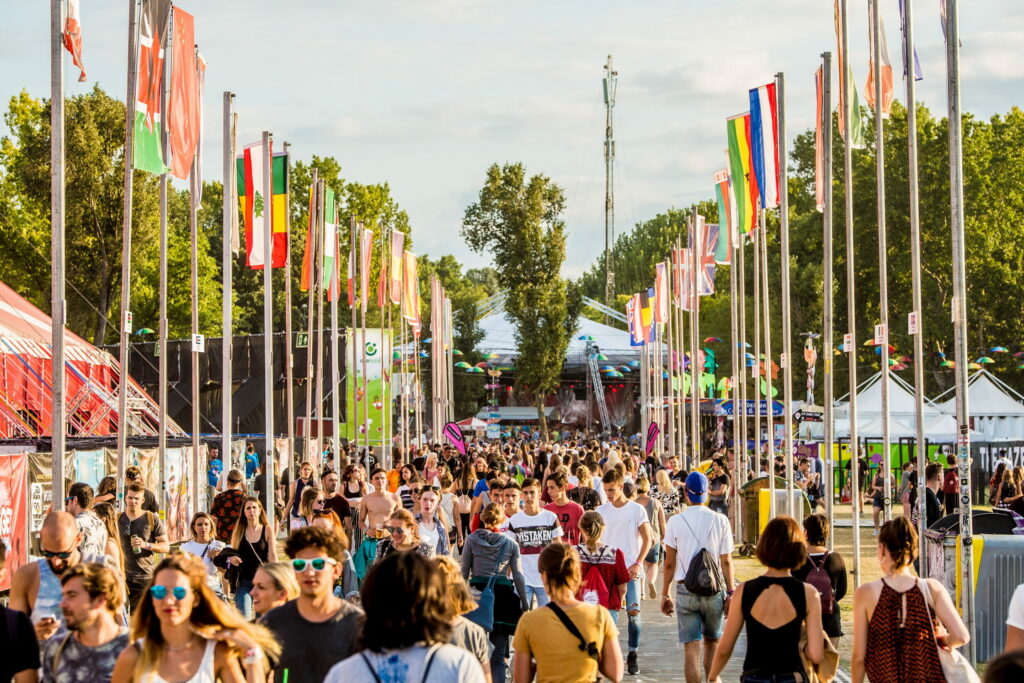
x=913, y=326
x=128, y=322
x=880, y=335
x=847, y=342
x=783, y=360
x=198, y=343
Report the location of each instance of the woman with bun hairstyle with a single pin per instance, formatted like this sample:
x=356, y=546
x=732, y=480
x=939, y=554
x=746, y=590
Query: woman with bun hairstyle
x=893, y=616
x=544, y=644
x=774, y=607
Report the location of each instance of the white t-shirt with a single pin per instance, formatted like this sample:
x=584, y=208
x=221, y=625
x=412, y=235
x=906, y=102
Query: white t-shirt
x=449, y=663
x=1015, y=615
x=622, y=528
x=710, y=530
x=596, y=485
x=202, y=551
x=532, y=533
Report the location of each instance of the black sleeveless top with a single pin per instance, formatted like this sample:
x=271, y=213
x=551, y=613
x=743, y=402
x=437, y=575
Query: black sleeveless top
x=774, y=650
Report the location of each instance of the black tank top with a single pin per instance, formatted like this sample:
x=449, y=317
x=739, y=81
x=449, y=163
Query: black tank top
x=253, y=555
x=773, y=650
x=300, y=484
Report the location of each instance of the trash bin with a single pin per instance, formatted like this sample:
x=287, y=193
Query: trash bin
x=998, y=570
x=941, y=541
x=750, y=499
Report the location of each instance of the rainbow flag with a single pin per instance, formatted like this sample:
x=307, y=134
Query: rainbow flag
x=742, y=172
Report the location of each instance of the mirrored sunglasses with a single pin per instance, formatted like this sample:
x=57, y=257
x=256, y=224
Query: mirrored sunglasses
x=160, y=592
x=318, y=564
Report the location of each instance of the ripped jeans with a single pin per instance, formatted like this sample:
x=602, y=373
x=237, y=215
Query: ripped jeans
x=633, y=612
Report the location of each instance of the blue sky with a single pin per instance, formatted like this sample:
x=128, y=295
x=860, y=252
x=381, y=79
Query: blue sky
x=425, y=95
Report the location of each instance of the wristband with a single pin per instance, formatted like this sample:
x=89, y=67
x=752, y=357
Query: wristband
x=252, y=656
x=728, y=594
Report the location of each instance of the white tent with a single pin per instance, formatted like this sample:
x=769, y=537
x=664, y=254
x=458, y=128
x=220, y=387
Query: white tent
x=943, y=429
x=871, y=428
x=500, y=338
x=997, y=410
x=901, y=401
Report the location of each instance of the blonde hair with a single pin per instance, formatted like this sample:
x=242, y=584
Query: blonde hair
x=309, y=496
x=455, y=585
x=663, y=480
x=492, y=515
x=592, y=526
x=283, y=576
x=209, y=615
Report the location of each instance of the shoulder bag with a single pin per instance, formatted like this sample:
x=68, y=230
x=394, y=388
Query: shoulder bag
x=483, y=615
x=954, y=665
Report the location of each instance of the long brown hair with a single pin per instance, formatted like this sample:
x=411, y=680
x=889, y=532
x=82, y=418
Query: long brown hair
x=108, y=515
x=242, y=525
x=209, y=615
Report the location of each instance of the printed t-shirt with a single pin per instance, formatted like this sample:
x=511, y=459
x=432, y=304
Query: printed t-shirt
x=533, y=532
x=79, y=663
x=569, y=519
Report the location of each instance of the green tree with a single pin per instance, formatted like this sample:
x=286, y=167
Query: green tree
x=519, y=221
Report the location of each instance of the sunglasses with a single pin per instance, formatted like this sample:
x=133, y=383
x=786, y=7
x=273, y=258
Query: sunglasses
x=395, y=529
x=160, y=592
x=69, y=500
x=64, y=555
x=318, y=564
x=415, y=492
x=435, y=489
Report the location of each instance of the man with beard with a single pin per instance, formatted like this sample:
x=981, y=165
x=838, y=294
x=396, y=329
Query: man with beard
x=333, y=500
x=36, y=588
x=91, y=603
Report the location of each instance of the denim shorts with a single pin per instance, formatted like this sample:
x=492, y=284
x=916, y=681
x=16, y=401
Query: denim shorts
x=699, y=617
x=655, y=555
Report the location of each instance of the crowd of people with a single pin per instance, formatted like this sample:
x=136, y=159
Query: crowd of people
x=517, y=560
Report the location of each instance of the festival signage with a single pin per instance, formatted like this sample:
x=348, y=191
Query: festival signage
x=375, y=396
x=13, y=513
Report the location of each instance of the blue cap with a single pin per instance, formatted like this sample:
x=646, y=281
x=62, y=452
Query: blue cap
x=697, y=487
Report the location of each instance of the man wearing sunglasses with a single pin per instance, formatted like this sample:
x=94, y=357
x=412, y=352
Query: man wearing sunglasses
x=35, y=587
x=316, y=630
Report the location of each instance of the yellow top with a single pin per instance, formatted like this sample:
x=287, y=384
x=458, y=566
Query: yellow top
x=557, y=651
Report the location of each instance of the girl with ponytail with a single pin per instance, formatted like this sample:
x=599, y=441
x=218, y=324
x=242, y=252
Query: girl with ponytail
x=604, y=574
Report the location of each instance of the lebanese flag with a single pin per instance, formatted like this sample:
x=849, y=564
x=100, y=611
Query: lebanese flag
x=256, y=207
x=73, y=36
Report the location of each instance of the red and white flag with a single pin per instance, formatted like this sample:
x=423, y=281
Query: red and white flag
x=819, y=143
x=397, y=247
x=365, y=259
x=885, y=70
x=73, y=36
x=660, y=293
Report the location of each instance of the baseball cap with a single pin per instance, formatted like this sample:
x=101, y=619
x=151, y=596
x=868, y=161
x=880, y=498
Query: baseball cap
x=697, y=487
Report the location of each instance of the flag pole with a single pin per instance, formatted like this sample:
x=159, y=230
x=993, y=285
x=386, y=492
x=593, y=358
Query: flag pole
x=312, y=238
x=956, y=195
x=851, y=283
x=695, y=369
x=769, y=388
x=787, y=325
x=162, y=341
x=670, y=412
x=739, y=474
x=917, y=331
x=743, y=455
x=57, y=310
x=681, y=350
x=195, y=184
x=351, y=371
x=228, y=204
x=828, y=277
x=755, y=369
x=268, y=316
x=883, y=268
x=319, y=324
x=365, y=285
x=289, y=371
x=126, y=251
x=335, y=358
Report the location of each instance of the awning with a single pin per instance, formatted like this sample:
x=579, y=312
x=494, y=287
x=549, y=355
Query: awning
x=514, y=413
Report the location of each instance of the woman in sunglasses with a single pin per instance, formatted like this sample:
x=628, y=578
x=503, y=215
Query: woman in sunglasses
x=183, y=633
x=312, y=501
x=405, y=535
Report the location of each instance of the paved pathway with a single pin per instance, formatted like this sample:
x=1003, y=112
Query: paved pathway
x=661, y=655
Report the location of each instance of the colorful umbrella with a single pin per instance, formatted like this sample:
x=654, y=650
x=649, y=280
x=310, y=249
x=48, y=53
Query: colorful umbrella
x=601, y=356
x=625, y=368
x=633, y=363
x=475, y=371
x=424, y=354
x=144, y=330
x=898, y=367
x=492, y=356
x=947, y=364
x=1019, y=354
x=999, y=349
x=427, y=340
x=984, y=360
x=585, y=337
x=456, y=352
x=869, y=342
x=463, y=364
x=607, y=368
x=878, y=349
x=483, y=364
x=974, y=366
x=712, y=340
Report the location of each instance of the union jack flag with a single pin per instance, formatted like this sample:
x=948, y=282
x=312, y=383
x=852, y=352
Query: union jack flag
x=707, y=242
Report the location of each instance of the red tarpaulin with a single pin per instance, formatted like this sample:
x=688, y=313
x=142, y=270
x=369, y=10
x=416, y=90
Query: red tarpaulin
x=13, y=511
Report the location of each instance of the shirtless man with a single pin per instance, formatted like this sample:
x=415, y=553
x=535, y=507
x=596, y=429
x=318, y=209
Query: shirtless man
x=374, y=514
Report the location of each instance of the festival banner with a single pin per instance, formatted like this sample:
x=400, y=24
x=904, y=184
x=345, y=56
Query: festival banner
x=376, y=343
x=184, y=107
x=154, y=20
x=13, y=511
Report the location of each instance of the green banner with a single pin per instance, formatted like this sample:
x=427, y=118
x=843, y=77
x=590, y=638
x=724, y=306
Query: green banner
x=369, y=403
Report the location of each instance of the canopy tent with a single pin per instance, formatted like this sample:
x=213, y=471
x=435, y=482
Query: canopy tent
x=500, y=338
x=516, y=413
x=943, y=429
x=471, y=424
x=91, y=379
x=901, y=401
x=871, y=428
x=996, y=409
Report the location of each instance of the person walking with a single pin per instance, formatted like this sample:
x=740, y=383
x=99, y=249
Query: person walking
x=204, y=546
x=628, y=529
x=431, y=524
x=489, y=553
x=133, y=475
x=406, y=630
x=465, y=634
x=774, y=608
x=720, y=487
x=312, y=502
x=893, y=617
x=254, y=543
x=142, y=536
x=951, y=486
x=273, y=585
x=335, y=502
x=79, y=502
x=227, y=506
x=604, y=574
x=568, y=641
x=826, y=571
x=317, y=629
x=656, y=515
x=91, y=604
x=699, y=617
x=108, y=515
x=534, y=528
x=304, y=479
x=184, y=633
x=405, y=535
x=568, y=512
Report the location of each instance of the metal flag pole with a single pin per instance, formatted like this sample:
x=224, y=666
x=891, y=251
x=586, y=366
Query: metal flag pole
x=195, y=185
x=669, y=330
x=956, y=197
x=787, y=325
x=228, y=204
x=124, y=379
x=827, y=280
x=289, y=360
x=916, y=327
x=319, y=323
x=677, y=265
x=268, y=317
x=162, y=341
x=354, y=230
x=850, y=341
x=769, y=389
x=739, y=473
x=365, y=280
x=57, y=312
x=323, y=210
x=743, y=454
x=882, y=332
x=696, y=238
x=755, y=368
x=314, y=285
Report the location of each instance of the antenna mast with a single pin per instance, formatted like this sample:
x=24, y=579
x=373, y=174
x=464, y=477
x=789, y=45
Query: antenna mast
x=610, y=82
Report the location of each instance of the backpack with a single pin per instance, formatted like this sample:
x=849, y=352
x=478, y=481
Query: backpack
x=593, y=588
x=950, y=484
x=819, y=578
x=703, y=576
